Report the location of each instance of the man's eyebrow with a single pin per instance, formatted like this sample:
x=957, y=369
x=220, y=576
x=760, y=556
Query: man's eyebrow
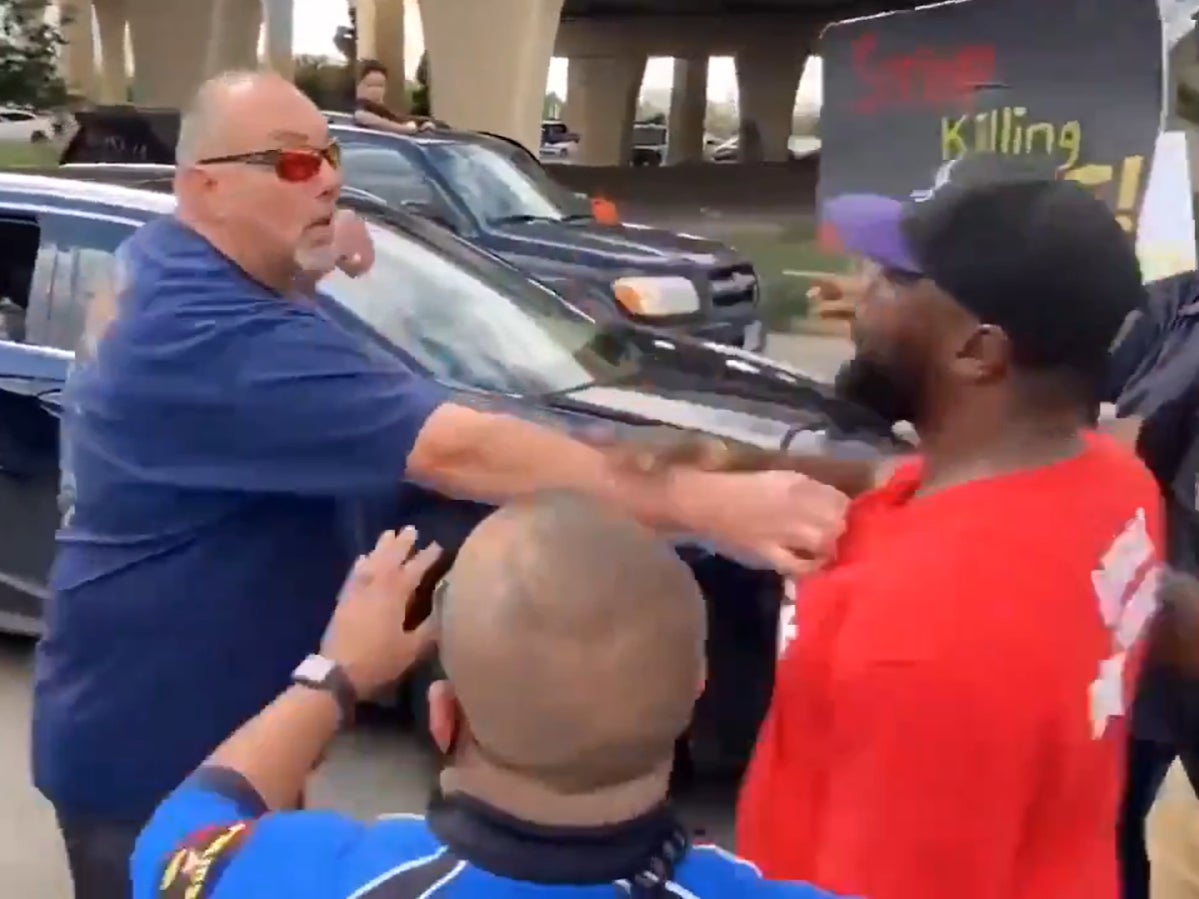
x=290, y=137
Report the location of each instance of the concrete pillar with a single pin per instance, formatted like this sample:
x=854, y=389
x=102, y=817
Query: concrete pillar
x=488, y=63
x=381, y=37
x=112, y=21
x=767, y=82
x=601, y=104
x=233, y=44
x=79, y=55
x=688, y=110
x=170, y=49
x=278, y=49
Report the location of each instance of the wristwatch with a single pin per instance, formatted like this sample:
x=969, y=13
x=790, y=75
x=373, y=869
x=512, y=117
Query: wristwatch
x=319, y=673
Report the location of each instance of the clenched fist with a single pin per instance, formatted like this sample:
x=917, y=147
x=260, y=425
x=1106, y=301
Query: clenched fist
x=352, y=245
x=782, y=518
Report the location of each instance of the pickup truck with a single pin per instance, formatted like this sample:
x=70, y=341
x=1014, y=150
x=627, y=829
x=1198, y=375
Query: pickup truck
x=494, y=193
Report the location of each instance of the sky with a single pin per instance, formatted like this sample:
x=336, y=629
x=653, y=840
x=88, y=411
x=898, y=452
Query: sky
x=316, y=20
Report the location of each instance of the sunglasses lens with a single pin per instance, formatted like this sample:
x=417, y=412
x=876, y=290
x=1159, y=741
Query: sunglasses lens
x=298, y=165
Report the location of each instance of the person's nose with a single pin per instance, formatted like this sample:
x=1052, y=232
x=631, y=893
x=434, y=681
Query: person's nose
x=330, y=178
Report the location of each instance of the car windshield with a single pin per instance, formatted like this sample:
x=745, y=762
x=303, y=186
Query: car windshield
x=498, y=187
x=471, y=321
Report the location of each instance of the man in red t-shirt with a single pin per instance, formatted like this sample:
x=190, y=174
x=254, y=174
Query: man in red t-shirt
x=949, y=710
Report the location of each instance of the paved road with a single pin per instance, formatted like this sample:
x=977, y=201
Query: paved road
x=376, y=769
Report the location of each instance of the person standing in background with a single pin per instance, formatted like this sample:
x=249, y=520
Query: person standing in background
x=370, y=107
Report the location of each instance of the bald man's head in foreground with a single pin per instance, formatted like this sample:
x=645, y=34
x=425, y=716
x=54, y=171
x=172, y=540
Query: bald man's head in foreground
x=256, y=174
x=573, y=645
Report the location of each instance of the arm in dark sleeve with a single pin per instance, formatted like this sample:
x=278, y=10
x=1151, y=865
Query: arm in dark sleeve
x=1166, y=709
x=927, y=792
x=1144, y=331
x=293, y=405
x=213, y=833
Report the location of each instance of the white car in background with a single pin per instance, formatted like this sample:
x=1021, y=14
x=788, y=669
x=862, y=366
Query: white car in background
x=24, y=126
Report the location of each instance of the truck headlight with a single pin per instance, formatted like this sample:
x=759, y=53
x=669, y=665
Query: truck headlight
x=666, y=295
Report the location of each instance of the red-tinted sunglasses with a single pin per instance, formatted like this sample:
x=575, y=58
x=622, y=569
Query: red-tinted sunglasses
x=291, y=164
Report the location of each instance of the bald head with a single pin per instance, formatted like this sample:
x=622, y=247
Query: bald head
x=574, y=641
x=236, y=105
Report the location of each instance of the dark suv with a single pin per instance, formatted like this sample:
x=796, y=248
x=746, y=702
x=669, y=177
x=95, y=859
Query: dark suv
x=493, y=192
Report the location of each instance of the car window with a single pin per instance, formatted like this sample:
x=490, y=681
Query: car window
x=649, y=136
x=469, y=320
x=491, y=184
x=84, y=267
x=20, y=117
x=388, y=174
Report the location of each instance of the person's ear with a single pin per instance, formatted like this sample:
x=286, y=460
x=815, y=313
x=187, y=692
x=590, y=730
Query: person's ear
x=983, y=354
x=443, y=715
x=702, y=683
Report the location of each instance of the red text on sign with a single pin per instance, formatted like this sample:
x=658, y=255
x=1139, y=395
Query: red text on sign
x=925, y=76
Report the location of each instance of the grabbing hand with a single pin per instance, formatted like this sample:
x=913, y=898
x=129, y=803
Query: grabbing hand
x=352, y=244
x=366, y=636
x=835, y=297
x=783, y=518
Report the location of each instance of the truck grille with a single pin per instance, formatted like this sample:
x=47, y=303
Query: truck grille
x=734, y=285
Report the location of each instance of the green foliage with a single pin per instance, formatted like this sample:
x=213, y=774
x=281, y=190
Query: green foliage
x=422, y=96
x=328, y=84
x=29, y=48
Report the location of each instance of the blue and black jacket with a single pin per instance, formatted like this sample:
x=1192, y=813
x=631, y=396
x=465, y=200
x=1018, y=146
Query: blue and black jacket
x=1154, y=374
x=213, y=838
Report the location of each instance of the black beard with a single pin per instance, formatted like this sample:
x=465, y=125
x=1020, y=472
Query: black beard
x=879, y=388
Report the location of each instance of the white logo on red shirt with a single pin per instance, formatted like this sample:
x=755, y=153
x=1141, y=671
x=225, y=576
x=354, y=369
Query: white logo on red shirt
x=788, y=627
x=1125, y=583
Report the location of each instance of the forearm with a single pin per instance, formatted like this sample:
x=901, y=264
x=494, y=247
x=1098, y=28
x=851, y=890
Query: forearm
x=276, y=750
x=850, y=476
x=370, y=120
x=495, y=458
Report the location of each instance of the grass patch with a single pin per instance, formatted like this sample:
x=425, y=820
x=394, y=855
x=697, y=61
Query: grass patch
x=14, y=154
x=774, y=253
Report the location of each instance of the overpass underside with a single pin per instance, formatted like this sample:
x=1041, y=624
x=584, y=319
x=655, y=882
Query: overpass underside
x=488, y=59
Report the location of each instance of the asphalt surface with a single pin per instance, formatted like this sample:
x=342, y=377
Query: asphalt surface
x=376, y=769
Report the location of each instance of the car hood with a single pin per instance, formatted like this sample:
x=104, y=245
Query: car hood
x=624, y=246
x=734, y=394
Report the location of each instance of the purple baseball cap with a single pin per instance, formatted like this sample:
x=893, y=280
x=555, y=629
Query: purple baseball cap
x=871, y=226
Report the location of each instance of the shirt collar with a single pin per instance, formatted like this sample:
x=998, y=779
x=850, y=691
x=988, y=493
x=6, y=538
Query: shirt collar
x=490, y=839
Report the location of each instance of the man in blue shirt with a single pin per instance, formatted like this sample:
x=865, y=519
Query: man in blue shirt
x=215, y=428
x=573, y=644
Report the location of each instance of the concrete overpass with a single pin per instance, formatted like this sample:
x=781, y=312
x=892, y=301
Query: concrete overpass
x=488, y=59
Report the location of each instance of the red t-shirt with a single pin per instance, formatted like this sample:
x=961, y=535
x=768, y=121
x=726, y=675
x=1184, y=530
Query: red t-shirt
x=948, y=716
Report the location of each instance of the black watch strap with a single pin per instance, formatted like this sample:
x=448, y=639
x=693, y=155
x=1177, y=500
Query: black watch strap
x=319, y=673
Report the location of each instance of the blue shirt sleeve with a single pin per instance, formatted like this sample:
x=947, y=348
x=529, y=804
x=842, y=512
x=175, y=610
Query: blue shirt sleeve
x=212, y=835
x=274, y=398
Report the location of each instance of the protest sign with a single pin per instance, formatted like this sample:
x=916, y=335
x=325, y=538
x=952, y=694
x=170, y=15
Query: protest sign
x=1079, y=82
